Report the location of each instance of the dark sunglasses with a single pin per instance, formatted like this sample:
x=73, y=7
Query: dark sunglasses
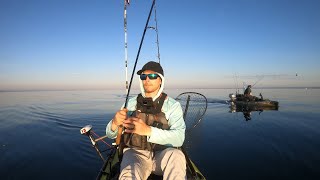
x=150, y=76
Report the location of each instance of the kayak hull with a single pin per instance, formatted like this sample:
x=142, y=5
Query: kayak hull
x=239, y=101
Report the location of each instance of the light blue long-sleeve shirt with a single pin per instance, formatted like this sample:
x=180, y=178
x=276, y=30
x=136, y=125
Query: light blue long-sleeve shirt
x=174, y=136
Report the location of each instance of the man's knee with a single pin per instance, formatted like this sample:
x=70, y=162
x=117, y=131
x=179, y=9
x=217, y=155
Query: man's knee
x=135, y=165
x=176, y=155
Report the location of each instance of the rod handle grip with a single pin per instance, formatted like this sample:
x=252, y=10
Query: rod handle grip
x=120, y=129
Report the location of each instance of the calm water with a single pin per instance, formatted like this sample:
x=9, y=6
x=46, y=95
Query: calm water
x=40, y=138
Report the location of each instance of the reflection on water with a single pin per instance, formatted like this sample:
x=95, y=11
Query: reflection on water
x=248, y=110
x=40, y=136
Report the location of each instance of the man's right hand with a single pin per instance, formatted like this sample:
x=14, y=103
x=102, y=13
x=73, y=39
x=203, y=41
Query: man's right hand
x=118, y=119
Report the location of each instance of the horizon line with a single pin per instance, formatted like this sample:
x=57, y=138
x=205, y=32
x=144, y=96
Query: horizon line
x=104, y=89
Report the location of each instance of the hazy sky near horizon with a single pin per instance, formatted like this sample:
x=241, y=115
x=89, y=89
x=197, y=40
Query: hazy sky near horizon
x=79, y=44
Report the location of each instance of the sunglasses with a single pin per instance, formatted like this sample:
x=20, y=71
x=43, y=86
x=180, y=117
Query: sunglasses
x=150, y=76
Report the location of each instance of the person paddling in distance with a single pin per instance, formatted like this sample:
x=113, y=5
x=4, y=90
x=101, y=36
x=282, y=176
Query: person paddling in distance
x=154, y=130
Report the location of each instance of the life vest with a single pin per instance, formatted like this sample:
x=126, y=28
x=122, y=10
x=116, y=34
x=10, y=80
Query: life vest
x=150, y=112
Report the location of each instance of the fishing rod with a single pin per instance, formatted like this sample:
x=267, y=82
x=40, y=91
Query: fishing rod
x=120, y=129
x=126, y=2
x=259, y=79
x=235, y=78
x=157, y=32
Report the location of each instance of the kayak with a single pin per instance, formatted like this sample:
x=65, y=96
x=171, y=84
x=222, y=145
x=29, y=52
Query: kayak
x=111, y=168
x=240, y=101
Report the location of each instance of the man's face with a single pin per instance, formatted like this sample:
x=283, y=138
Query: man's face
x=151, y=85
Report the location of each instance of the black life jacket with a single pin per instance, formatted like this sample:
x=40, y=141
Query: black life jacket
x=150, y=112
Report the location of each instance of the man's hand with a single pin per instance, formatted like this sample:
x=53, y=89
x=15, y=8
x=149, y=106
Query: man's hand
x=137, y=126
x=118, y=119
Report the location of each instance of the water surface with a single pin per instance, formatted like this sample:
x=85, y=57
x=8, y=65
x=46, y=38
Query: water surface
x=40, y=136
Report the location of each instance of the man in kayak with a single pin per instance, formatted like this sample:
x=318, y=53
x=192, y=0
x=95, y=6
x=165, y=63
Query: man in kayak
x=248, y=94
x=154, y=129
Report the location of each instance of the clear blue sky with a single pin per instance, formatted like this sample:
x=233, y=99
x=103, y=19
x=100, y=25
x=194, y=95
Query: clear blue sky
x=79, y=44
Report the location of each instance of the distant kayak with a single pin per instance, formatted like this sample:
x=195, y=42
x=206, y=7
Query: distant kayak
x=253, y=102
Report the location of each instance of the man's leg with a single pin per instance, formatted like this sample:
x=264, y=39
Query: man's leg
x=171, y=163
x=136, y=164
